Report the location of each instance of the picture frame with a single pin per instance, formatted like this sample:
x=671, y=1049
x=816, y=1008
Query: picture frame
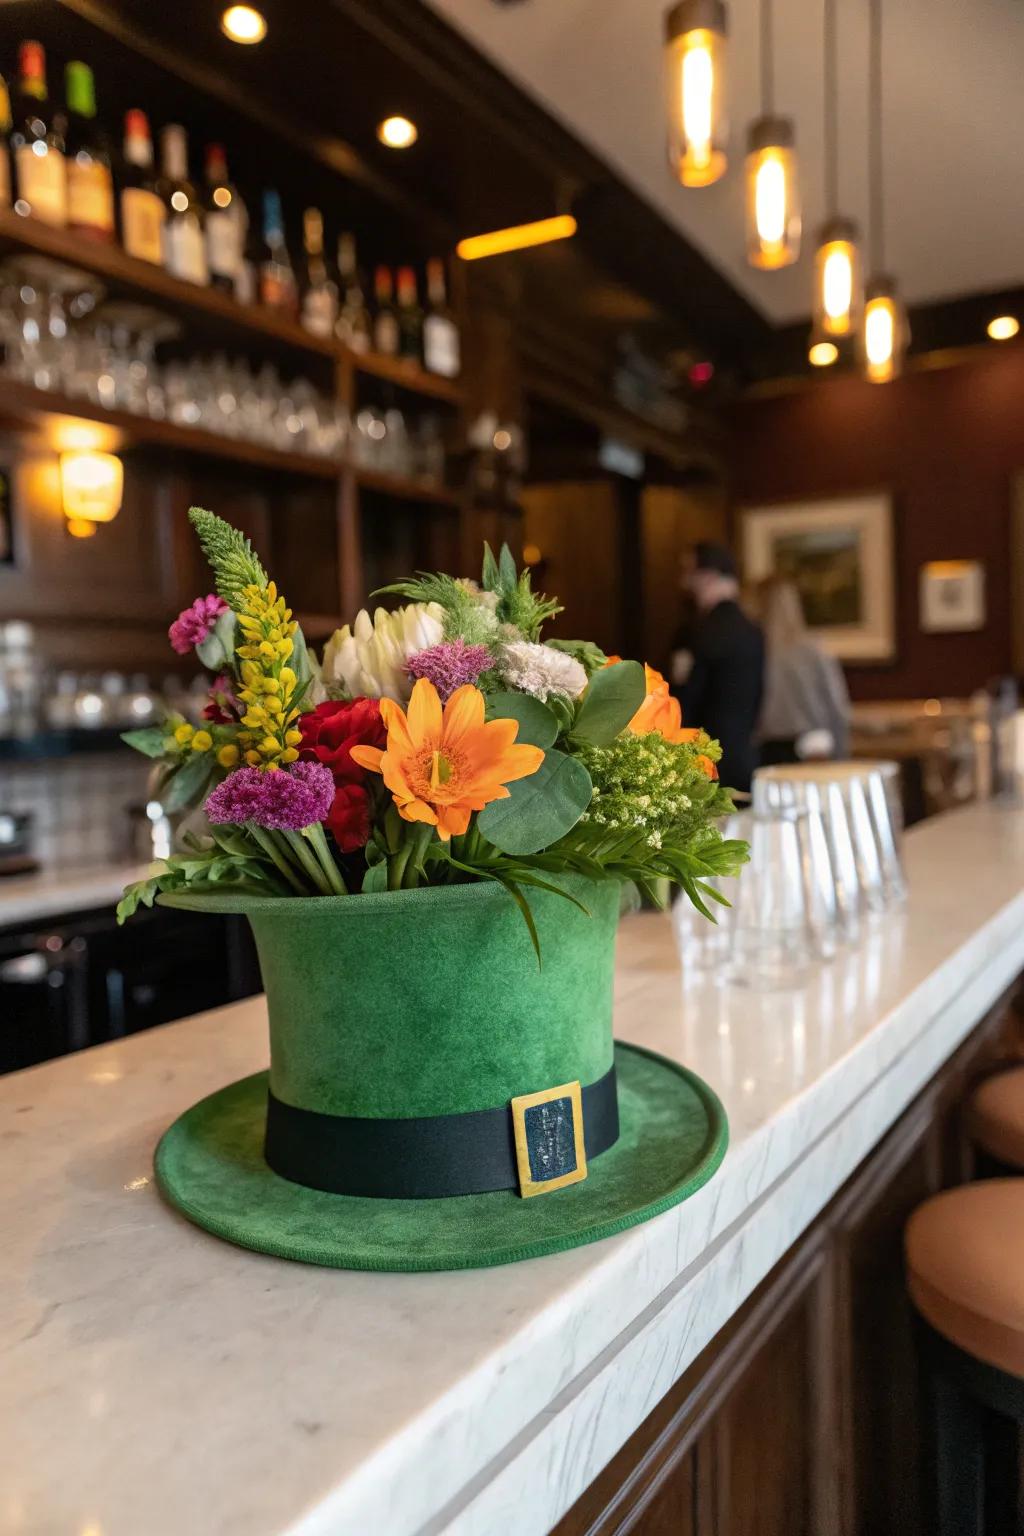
x=951, y=596
x=839, y=552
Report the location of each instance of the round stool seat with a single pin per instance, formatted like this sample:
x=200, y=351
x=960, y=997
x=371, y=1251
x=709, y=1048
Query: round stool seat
x=965, y=1269
x=995, y=1117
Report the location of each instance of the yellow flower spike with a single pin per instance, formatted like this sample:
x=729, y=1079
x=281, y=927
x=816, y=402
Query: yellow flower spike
x=284, y=648
x=255, y=718
x=271, y=685
x=202, y=741
x=288, y=677
x=227, y=756
x=253, y=759
x=289, y=755
x=266, y=649
x=273, y=767
x=293, y=738
x=250, y=651
x=269, y=746
x=271, y=593
x=183, y=735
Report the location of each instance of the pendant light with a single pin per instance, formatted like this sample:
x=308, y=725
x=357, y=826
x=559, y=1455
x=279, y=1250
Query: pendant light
x=837, y=263
x=886, y=331
x=773, y=193
x=694, y=76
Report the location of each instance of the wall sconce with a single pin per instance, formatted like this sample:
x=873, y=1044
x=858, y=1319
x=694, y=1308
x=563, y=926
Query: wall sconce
x=91, y=487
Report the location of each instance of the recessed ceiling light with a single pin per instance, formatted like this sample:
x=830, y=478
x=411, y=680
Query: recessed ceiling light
x=397, y=132
x=1003, y=327
x=822, y=353
x=243, y=24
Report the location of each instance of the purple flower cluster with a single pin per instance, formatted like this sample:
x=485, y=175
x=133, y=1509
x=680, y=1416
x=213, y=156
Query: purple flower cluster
x=450, y=665
x=283, y=800
x=192, y=625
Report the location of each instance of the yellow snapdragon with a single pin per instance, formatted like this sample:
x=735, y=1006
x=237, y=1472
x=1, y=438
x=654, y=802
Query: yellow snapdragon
x=268, y=682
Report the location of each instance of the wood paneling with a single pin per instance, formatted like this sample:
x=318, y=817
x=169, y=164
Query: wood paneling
x=802, y=1417
x=948, y=443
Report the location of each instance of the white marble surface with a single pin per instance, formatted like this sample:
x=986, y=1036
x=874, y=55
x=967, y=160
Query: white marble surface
x=34, y=898
x=154, y=1380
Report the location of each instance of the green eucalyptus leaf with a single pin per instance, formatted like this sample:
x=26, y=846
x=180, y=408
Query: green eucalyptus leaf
x=540, y=809
x=489, y=574
x=149, y=740
x=376, y=878
x=218, y=648
x=508, y=575
x=538, y=725
x=188, y=785
x=612, y=698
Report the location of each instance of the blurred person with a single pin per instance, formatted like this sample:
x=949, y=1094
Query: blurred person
x=723, y=689
x=806, y=710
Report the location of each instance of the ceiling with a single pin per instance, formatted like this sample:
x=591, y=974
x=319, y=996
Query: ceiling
x=954, y=125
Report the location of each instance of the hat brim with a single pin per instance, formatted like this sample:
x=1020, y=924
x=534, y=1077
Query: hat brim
x=210, y=1165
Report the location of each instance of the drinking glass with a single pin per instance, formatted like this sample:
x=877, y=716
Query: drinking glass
x=772, y=936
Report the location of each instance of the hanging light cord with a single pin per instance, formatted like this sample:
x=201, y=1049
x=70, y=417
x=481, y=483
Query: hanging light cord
x=875, y=183
x=767, y=54
x=831, y=107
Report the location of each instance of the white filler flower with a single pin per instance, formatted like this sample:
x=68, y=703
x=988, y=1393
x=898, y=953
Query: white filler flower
x=369, y=657
x=540, y=670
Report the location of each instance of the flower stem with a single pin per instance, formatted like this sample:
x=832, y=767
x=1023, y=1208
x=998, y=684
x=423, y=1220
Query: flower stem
x=270, y=847
x=396, y=867
x=315, y=836
x=300, y=848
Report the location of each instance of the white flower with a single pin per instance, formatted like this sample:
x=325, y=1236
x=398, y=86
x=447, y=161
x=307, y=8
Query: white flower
x=369, y=658
x=540, y=670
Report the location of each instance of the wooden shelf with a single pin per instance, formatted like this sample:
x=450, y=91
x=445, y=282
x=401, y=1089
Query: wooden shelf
x=402, y=486
x=407, y=375
x=215, y=310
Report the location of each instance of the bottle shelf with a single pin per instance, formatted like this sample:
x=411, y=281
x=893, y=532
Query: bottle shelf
x=217, y=312
x=402, y=487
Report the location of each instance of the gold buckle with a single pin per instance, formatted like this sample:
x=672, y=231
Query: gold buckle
x=541, y=1140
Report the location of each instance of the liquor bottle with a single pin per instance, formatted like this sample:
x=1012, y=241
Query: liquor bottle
x=38, y=144
x=142, y=208
x=319, y=293
x=184, y=245
x=5, y=145
x=410, y=316
x=224, y=222
x=90, y=183
x=441, y=350
x=385, y=322
x=354, y=326
x=277, y=286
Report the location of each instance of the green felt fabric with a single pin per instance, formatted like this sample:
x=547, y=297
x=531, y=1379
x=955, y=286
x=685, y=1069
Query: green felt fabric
x=431, y=1002
x=210, y=1166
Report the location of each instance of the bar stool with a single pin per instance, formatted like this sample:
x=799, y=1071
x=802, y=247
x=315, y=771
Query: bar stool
x=994, y=1120
x=965, y=1274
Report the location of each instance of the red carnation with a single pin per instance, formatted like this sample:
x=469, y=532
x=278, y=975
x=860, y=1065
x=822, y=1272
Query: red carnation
x=329, y=732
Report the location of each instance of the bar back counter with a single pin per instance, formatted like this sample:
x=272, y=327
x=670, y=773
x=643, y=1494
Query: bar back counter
x=741, y=1364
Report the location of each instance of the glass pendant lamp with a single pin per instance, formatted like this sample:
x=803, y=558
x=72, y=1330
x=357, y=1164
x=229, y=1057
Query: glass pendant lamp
x=694, y=72
x=838, y=273
x=886, y=331
x=773, y=192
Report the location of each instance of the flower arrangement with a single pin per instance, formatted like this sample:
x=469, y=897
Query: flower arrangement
x=441, y=742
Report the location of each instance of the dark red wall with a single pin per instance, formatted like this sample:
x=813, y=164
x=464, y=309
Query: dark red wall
x=948, y=443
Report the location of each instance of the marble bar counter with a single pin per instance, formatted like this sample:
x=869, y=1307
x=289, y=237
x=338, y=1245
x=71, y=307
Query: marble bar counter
x=157, y=1381
x=32, y=899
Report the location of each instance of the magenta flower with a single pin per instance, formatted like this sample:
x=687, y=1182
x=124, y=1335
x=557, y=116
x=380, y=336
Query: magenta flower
x=449, y=665
x=192, y=625
x=283, y=800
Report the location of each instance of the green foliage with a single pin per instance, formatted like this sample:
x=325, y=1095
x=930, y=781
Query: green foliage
x=649, y=787
x=218, y=649
x=590, y=656
x=230, y=863
x=518, y=604
x=540, y=809
x=149, y=740
x=612, y=698
x=465, y=615
x=538, y=725
x=188, y=782
x=234, y=562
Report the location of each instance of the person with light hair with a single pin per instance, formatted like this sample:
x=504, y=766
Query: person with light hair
x=806, y=708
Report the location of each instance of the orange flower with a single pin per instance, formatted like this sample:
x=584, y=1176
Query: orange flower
x=659, y=711
x=442, y=766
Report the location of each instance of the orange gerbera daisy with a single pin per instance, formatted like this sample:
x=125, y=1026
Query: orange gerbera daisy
x=441, y=766
x=659, y=711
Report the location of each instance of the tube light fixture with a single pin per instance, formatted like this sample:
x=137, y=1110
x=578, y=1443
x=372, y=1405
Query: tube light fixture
x=886, y=332
x=837, y=279
x=694, y=75
x=517, y=238
x=773, y=195
x=243, y=24
x=1003, y=327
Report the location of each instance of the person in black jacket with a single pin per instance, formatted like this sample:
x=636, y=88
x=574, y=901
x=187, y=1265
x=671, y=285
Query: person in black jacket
x=723, y=689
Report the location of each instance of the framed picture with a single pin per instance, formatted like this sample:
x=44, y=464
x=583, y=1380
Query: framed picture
x=839, y=553
x=952, y=596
